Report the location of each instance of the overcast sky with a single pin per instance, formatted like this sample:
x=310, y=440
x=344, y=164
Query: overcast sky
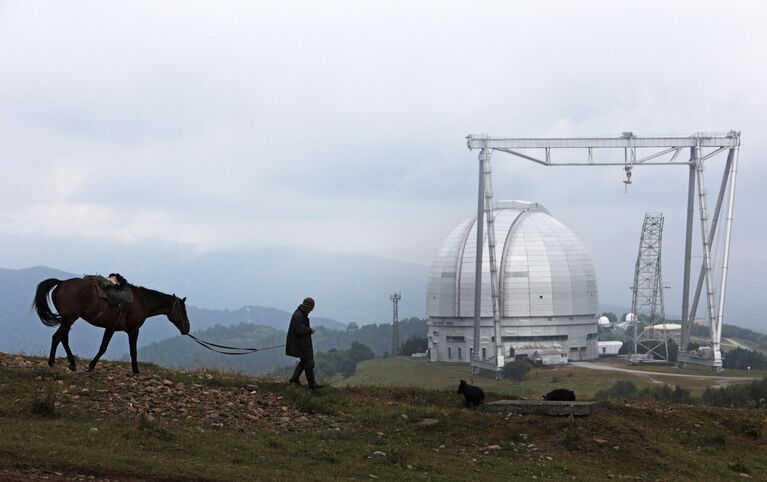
x=341, y=125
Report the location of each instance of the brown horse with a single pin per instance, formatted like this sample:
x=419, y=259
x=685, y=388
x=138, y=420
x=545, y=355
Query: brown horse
x=78, y=298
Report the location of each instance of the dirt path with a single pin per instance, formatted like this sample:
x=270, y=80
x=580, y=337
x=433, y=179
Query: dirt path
x=599, y=366
x=737, y=345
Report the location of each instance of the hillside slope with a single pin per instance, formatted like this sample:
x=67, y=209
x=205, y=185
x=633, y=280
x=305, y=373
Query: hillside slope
x=168, y=425
x=403, y=371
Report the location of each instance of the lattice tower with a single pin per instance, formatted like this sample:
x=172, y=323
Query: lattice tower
x=647, y=291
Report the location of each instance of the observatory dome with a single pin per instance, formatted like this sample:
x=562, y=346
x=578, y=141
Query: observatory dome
x=546, y=285
x=603, y=321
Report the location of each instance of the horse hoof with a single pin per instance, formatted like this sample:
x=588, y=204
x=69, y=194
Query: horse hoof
x=73, y=367
x=50, y=364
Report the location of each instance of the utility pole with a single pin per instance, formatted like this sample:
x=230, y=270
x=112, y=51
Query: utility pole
x=395, y=324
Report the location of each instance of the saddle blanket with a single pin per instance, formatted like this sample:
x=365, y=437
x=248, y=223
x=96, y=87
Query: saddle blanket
x=108, y=290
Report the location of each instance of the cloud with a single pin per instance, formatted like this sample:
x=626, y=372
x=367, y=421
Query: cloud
x=341, y=125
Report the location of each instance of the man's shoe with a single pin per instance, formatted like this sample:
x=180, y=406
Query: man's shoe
x=295, y=382
x=315, y=386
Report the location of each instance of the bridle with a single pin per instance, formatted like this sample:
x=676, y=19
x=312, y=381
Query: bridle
x=175, y=302
x=176, y=299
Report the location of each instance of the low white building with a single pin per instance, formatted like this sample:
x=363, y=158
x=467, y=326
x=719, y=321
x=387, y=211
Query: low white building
x=542, y=353
x=609, y=348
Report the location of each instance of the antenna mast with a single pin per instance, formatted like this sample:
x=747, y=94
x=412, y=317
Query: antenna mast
x=395, y=324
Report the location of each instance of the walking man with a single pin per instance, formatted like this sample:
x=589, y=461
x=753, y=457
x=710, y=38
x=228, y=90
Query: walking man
x=299, y=343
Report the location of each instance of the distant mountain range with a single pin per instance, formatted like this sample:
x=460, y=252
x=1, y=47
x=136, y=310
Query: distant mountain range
x=347, y=287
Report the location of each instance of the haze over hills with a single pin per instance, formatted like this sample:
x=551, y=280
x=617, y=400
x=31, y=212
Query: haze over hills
x=347, y=287
x=220, y=286
x=23, y=332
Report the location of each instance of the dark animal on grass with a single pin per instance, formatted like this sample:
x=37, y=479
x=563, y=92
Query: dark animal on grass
x=560, y=395
x=78, y=298
x=473, y=395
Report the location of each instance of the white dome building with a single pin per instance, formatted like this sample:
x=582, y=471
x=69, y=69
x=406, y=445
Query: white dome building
x=546, y=284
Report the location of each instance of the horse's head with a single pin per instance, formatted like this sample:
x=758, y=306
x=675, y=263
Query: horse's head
x=178, y=316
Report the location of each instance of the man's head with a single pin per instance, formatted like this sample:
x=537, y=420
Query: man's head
x=308, y=304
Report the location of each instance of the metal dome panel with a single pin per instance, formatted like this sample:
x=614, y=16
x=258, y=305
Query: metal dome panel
x=544, y=270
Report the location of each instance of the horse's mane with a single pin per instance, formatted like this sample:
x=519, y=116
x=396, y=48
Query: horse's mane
x=150, y=295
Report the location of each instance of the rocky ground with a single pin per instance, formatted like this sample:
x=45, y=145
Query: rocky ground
x=28, y=475
x=193, y=397
x=195, y=401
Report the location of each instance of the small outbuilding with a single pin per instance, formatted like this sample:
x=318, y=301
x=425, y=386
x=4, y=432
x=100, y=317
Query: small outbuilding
x=609, y=348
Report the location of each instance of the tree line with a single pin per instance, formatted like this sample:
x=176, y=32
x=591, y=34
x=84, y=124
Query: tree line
x=752, y=394
x=182, y=352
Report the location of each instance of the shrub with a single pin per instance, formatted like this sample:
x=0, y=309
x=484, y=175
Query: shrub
x=414, y=344
x=516, y=370
x=665, y=393
x=344, y=362
x=360, y=352
x=742, y=359
x=620, y=390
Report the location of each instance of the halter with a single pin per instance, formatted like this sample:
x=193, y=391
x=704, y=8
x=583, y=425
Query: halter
x=175, y=302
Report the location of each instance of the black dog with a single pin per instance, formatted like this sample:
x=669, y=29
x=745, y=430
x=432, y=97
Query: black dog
x=560, y=395
x=473, y=395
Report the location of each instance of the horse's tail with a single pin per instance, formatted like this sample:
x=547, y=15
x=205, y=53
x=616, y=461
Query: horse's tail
x=48, y=317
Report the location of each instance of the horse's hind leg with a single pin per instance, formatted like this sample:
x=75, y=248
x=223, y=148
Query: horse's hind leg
x=66, y=325
x=55, y=340
x=102, y=349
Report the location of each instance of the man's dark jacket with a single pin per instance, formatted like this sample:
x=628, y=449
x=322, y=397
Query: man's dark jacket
x=299, y=341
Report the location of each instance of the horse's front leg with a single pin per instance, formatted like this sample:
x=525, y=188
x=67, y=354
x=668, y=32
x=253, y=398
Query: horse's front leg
x=132, y=339
x=102, y=349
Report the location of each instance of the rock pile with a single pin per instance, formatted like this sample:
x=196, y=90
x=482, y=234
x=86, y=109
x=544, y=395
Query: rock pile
x=198, y=399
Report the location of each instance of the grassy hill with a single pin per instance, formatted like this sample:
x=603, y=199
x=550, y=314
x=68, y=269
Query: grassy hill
x=200, y=425
x=403, y=371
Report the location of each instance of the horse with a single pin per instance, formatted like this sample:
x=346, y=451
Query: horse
x=78, y=298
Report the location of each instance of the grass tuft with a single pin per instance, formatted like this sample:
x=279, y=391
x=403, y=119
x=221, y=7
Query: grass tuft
x=739, y=466
x=150, y=428
x=43, y=404
x=715, y=440
x=321, y=401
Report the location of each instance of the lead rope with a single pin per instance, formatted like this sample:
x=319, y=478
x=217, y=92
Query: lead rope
x=233, y=350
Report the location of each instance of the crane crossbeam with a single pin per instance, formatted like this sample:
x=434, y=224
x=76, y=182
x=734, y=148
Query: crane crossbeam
x=627, y=141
